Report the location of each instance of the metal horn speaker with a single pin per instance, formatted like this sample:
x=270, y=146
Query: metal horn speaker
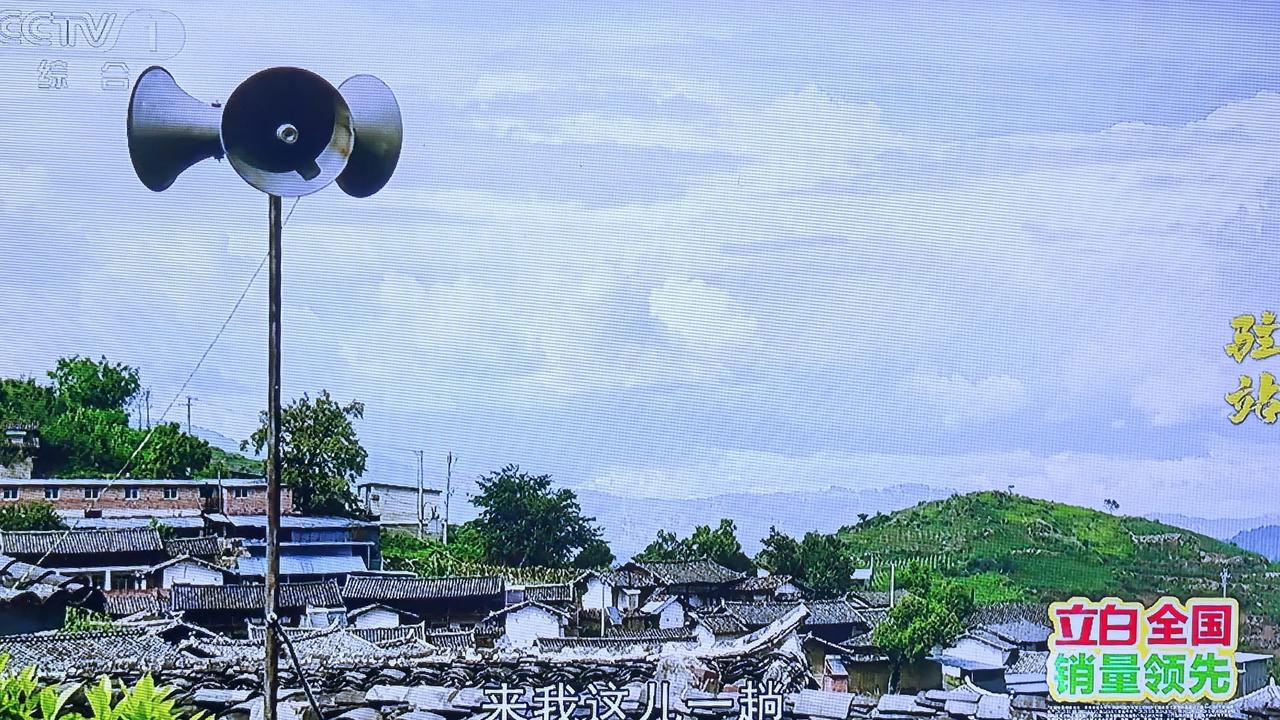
x=287, y=131
x=168, y=130
x=375, y=117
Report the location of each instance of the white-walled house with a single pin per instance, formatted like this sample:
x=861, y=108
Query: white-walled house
x=669, y=611
x=618, y=589
x=524, y=623
x=187, y=570
x=377, y=615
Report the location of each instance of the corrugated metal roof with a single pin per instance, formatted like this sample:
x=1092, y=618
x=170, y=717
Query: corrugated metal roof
x=290, y=521
x=134, y=523
x=412, y=588
x=80, y=542
x=254, y=566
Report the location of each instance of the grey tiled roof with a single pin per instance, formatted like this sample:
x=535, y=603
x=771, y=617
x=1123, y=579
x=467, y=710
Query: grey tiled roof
x=453, y=639
x=80, y=542
x=768, y=583
x=1030, y=661
x=663, y=634
x=999, y=613
x=723, y=624
x=124, y=604
x=1021, y=631
x=360, y=587
x=58, y=652
x=202, y=547
x=549, y=593
x=253, y=597
x=21, y=582
x=821, y=612
x=615, y=644
x=874, y=598
x=689, y=572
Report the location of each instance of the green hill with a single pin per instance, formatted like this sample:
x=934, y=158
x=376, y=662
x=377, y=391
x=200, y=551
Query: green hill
x=1008, y=547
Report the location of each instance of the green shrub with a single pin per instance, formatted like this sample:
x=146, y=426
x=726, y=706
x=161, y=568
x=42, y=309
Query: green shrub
x=21, y=697
x=144, y=701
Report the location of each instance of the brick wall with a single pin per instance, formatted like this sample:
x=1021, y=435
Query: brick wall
x=72, y=497
x=149, y=497
x=255, y=503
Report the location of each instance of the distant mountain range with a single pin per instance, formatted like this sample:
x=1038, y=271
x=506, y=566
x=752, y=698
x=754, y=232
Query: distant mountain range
x=1221, y=528
x=1263, y=540
x=632, y=523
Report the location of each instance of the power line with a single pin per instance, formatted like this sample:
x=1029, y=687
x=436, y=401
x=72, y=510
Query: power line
x=151, y=430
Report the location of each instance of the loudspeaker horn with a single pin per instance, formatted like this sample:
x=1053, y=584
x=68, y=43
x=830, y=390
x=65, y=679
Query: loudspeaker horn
x=287, y=131
x=168, y=130
x=375, y=117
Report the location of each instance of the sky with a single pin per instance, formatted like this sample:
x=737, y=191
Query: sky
x=662, y=251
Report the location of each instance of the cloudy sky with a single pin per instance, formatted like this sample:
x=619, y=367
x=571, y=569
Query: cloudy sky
x=663, y=252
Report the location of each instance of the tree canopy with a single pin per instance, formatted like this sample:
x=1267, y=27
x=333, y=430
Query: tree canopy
x=524, y=521
x=719, y=545
x=931, y=613
x=24, y=515
x=84, y=427
x=819, y=561
x=320, y=454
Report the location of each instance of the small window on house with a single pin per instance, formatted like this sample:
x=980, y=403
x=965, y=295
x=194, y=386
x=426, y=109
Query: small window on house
x=131, y=493
x=51, y=493
x=171, y=493
x=91, y=493
x=11, y=493
x=240, y=492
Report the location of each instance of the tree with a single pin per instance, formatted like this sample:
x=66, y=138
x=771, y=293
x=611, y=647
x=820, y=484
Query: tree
x=819, y=561
x=169, y=453
x=320, y=453
x=1111, y=505
x=780, y=554
x=595, y=554
x=524, y=521
x=932, y=613
x=827, y=568
x=87, y=442
x=719, y=545
x=96, y=384
x=24, y=515
x=23, y=400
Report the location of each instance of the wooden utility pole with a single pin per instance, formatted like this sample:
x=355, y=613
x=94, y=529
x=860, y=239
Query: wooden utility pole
x=271, y=676
x=189, y=399
x=448, y=490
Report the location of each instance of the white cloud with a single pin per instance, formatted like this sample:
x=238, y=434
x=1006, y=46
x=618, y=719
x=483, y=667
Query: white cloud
x=955, y=399
x=704, y=318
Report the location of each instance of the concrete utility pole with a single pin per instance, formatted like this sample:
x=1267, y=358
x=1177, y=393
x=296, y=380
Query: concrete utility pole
x=189, y=399
x=448, y=491
x=146, y=401
x=1225, y=574
x=271, y=676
